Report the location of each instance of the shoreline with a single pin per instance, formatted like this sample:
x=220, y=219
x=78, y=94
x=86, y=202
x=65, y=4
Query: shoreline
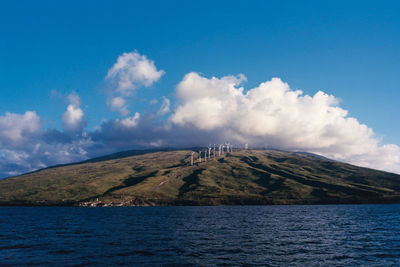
x=180, y=203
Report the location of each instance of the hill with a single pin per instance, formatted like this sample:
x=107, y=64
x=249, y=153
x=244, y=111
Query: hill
x=167, y=178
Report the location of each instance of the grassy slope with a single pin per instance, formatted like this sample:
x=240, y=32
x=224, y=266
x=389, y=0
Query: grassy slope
x=244, y=177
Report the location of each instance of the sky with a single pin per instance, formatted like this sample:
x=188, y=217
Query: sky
x=80, y=79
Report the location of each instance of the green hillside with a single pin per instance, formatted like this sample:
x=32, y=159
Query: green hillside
x=167, y=178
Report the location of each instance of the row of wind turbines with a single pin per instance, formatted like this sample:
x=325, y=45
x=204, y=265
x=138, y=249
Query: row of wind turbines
x=213, y=152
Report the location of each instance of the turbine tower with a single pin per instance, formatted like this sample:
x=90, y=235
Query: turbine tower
x=191, y=159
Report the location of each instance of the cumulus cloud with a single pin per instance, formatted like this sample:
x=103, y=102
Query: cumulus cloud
x=131, y=71
x=15, y=128
x=72, y=118
x=130, y=121
x=274, y=115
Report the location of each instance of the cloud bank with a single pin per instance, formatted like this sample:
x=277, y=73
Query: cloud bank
x=205, y=110
x=273, y=115
x=25, y=146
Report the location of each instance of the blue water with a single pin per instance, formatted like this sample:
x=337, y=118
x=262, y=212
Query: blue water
x=207, y=236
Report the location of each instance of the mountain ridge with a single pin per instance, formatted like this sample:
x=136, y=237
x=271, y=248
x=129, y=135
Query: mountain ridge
x=167, y=178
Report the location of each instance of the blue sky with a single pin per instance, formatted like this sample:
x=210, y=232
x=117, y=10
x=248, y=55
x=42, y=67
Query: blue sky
x=49, y=49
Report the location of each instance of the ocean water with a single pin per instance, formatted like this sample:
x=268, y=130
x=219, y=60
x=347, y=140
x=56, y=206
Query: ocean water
x=321, y=235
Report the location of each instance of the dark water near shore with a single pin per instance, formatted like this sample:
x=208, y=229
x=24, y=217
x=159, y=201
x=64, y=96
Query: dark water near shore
x=207, y=236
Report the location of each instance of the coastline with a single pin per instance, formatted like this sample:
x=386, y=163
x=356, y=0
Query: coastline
x=182, y=202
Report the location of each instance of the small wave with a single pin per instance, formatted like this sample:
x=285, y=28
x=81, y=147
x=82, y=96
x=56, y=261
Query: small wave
x=15, y=247
x=233, y=250
x=341, y=257
x=136, y=252
x=384, y=255
x=62, y=251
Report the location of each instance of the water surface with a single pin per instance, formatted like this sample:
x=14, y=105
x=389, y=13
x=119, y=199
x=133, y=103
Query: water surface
x=207, y=236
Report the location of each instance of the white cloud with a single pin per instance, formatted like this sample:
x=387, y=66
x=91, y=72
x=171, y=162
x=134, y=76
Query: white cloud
x=131, y=71
x=165, y=106
x=130, y=121
x=119, y=104
x=73, y=117
x=274, y=115
x=14, y=128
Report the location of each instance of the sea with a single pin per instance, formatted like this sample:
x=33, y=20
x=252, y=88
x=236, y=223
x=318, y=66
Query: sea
x=304, y=235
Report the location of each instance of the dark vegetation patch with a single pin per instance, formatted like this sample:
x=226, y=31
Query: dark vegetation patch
x=131, y=181
x=167, y=172
x=138, y=169
x=191, y=182
x=175, y=166
x=281, y=160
